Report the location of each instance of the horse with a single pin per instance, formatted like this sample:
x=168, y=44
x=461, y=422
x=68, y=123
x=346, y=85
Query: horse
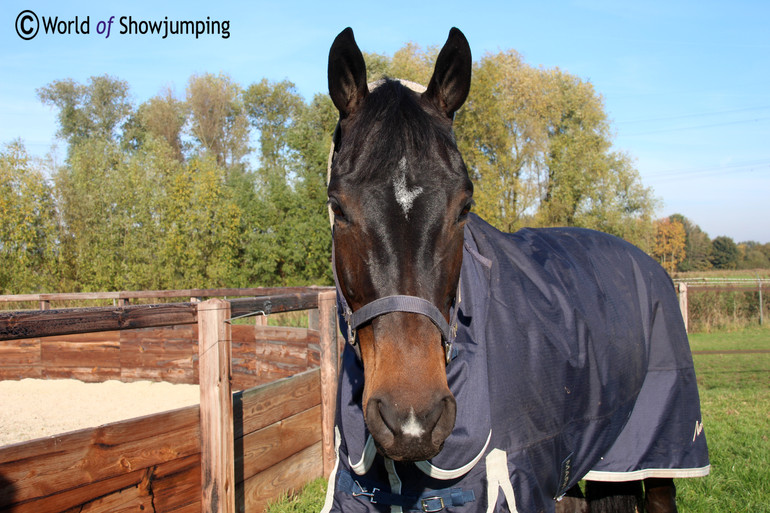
x=487, y=371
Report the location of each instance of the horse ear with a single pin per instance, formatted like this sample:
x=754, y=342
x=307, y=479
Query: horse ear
x=347, y=74
x=451, y=81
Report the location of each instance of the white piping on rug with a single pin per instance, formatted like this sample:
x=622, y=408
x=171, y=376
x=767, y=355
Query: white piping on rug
x=365, y=463
x=439, y=473
x=499, y=477
x=635, y=475
x=329, y=502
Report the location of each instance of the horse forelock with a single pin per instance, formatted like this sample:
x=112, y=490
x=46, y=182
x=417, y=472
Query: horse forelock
x=392, y=125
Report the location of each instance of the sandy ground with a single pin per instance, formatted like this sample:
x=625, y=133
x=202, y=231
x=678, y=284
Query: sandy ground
x=34, y=408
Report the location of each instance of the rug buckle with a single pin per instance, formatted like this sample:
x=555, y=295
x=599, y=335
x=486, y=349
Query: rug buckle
x=432, y=504
x=363, y=493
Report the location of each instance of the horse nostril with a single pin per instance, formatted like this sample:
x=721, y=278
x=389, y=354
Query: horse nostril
x=446, y=420
x=384, y=411
x=378, y=421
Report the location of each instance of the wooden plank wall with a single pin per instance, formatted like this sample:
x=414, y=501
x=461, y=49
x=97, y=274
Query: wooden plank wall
x=149, y=462
x=277, y=439
x=261, y=354
x=152, y=463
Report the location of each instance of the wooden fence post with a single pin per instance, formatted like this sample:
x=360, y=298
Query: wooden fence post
x=327, y=327
x=216, y=410
x=312, y=319
x=683, y=306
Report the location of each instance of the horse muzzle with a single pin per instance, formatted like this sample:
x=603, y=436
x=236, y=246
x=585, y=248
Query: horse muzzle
x=406, y=433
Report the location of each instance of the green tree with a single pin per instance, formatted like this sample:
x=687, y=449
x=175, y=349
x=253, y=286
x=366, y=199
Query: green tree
x=310, y=140
x=272, y=109
x=410, y=62
x=164, y=195
x=538, y=146
x=724, y=253
x=501, y=134
x=113, y=206
x=753, y=255
x=162, y=117
x=140, y=200
x=28, y=226
x=697, y=246
x=218, y=119
x=97, y=109
x=201, y=226
x=287, y=241
x=86, y=204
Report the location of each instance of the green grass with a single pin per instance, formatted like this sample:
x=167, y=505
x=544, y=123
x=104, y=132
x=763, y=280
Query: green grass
x=310, y=499
x=746, y=339
x=735, y=401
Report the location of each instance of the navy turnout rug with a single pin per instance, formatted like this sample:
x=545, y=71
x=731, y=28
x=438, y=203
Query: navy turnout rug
x=571, y=362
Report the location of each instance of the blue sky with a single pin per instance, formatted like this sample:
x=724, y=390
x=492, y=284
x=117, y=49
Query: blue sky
x=686, y=84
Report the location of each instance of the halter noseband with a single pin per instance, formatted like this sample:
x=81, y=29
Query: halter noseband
x=396, y=303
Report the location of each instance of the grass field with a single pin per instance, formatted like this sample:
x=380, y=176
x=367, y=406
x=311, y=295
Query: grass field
x=735, y=401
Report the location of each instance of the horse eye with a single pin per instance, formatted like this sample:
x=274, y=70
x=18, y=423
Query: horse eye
x=336, y=209
x=465, y=211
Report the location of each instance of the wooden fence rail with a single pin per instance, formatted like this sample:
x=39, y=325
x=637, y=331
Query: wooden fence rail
x=46, y=323
x=123, y=298
x=233, y=453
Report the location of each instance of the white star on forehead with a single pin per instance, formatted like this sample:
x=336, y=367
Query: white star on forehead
x=405, y=196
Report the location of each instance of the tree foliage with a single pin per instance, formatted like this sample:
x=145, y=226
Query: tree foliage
x=724, y=253
x=217, y=117
x=669, y=244
x=161, y=117
x=697, y=246
x=93, y=110
x=28, y=224
x=537, y=143
x=169, y=193
x=754, y=255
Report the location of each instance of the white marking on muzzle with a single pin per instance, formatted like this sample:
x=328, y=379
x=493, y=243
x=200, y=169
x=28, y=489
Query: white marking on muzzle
x=411, y=427
x=405, y=196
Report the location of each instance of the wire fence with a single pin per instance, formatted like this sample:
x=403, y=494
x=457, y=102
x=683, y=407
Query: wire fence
x=723, y=303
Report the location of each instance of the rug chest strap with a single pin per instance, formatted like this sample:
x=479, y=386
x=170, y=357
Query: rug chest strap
x=430, y=502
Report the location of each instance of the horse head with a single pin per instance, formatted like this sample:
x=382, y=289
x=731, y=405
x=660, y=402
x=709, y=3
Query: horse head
x=400, y=194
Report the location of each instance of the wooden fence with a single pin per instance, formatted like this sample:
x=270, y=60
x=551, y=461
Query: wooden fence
x=126, y=297
x=234, y=452
x=260, y=354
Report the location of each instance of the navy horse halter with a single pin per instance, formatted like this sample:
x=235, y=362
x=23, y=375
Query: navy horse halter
x=396, y=303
